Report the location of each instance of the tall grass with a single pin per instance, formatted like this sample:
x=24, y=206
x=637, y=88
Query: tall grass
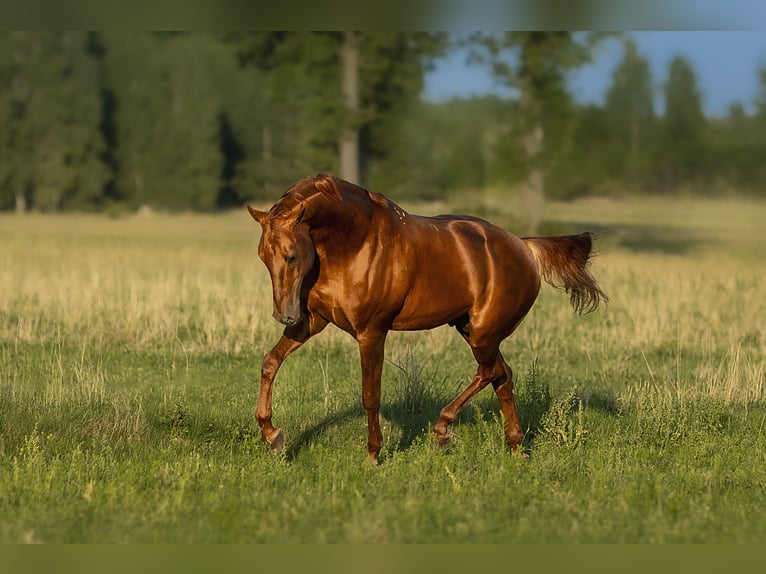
x=130, y=352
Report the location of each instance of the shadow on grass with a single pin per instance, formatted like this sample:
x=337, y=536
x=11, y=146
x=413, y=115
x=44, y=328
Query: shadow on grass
x=413, y=405
x=603, y=401
x=414, y=421
x=658, y=239
x=413, y=424
x=305, y=437
x=639, y=238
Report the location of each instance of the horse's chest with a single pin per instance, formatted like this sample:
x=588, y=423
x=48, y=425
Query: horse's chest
x=349, y=304
x=327, y=300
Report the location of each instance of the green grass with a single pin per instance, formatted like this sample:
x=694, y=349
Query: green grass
x=130, y=353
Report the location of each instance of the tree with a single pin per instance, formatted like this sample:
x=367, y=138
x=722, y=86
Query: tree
x=681, y=144
x=168, y=116
x=535, y=63
x=50, y=118
x=394, y=155
x=302, y=106
x=760, y=99
x=752, y=136
x=630, y=114
x=336, y=96
x=348, y=140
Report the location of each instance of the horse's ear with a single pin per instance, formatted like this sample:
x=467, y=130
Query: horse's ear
x=259, y=216
x=299, y=218
x=325, y=184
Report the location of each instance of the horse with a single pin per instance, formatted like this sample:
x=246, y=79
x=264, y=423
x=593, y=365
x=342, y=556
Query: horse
x=338, y=253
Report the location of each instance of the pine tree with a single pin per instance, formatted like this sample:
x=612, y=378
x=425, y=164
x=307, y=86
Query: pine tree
x=681, y=145
x=629, y=110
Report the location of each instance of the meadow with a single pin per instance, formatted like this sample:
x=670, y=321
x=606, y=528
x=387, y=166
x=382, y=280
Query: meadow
x=130, y=353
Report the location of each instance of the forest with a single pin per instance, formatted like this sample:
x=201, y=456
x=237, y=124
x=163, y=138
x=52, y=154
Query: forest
x=112, y=121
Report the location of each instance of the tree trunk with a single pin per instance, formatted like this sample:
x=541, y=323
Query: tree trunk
x=532, y=139
x=21, y=203
x=348, y=143
x=533, y=189
x=269, y=178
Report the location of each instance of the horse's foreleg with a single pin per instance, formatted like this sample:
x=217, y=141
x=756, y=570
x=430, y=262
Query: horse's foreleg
x=371, y=351
x=292, y=339
x=272, y=436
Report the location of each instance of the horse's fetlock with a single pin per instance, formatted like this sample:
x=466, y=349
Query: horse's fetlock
x=263, y=416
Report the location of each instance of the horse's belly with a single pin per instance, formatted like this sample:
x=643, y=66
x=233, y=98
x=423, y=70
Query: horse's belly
x=422, y=321
x=431, y=306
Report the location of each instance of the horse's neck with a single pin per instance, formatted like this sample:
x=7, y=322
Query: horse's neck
x=340, y=227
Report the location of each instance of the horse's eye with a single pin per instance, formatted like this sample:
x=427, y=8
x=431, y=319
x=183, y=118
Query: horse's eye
x=290, y=259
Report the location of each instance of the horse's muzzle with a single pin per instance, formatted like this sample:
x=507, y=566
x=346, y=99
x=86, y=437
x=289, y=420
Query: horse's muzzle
x=288, y=320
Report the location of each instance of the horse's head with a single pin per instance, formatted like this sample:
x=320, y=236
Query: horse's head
x=286, y=246
x=288, y=252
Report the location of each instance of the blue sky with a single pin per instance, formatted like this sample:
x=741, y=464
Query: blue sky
x=726, y=63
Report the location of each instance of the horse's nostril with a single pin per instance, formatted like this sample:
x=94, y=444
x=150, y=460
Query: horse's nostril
x=285, y=319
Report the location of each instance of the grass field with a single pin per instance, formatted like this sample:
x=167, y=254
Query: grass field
x=130, y=353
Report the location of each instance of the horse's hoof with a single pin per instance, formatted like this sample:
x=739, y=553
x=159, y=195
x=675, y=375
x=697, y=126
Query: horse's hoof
x=518, y=452
x=275, y=441
x=443, y=441
x=371, y=461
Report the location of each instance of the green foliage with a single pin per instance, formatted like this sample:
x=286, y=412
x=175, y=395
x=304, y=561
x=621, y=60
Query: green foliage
x=115, y=121
x=50, y=113
x=563, y=423
x=629, y=111
x=395, y=145
x=303, y=78
x=536, y=63
x=469, y=146
x=167, y=117
x=680, y=144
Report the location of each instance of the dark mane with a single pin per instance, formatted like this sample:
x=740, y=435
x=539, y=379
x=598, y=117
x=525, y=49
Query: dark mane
x=295, y=194
x=306, y=188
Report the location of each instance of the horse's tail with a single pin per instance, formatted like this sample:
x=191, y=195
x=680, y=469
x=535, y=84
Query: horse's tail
x=563, y=263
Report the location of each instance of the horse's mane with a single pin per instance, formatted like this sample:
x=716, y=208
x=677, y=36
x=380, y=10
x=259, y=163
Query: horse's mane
x=306, y=188
x=321, y=185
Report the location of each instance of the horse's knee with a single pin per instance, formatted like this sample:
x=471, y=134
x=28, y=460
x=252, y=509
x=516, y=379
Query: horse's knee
x=269, y=366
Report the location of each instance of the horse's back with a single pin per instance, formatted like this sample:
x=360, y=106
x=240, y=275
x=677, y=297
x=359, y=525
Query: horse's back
x=480, y=244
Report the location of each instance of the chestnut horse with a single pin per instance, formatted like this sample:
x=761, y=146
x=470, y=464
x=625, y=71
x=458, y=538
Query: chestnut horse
x=338, y=253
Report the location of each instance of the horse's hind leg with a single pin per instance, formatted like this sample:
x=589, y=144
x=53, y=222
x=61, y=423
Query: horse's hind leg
x=450, y=412
x=504, y=390
x=490, y=369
